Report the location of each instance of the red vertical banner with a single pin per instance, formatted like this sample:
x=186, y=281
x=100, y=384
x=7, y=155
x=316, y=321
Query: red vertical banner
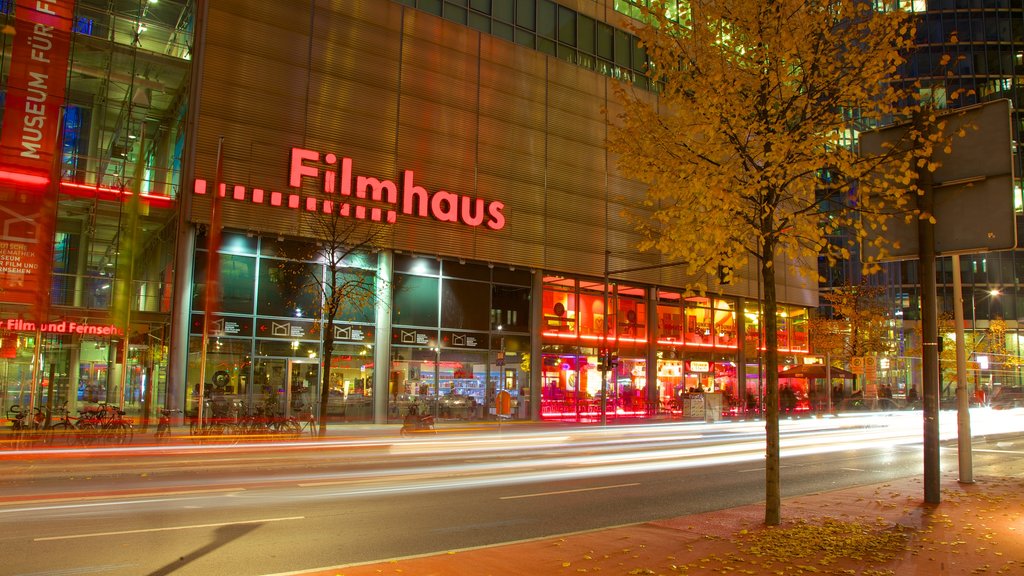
x=36, y=85
x=30, y=147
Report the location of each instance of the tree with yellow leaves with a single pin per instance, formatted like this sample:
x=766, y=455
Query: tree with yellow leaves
x=746, y=143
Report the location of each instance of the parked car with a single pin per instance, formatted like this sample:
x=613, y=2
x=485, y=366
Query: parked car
x=1008, y=397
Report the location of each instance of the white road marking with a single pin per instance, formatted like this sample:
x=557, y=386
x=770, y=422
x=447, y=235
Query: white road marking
x=853, y=469
x=145, y=530
x=568, y=491
x=116, y=496
x=999, y=451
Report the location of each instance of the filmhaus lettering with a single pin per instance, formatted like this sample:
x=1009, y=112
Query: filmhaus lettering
x=346, y=191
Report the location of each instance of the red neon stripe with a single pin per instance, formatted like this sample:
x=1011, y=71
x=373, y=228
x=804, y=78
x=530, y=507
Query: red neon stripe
x=91, y=191
x=25, y=179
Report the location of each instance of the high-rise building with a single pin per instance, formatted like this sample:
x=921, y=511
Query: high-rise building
x=984, y=40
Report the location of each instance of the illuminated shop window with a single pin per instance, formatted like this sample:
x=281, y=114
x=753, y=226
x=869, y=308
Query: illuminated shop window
x=560, y=307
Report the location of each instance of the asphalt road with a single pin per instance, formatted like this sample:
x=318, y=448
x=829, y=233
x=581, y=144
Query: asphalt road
x=252, y=510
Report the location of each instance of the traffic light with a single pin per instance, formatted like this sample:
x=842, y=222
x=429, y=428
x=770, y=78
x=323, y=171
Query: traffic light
x=724, y=274
x=613, y=360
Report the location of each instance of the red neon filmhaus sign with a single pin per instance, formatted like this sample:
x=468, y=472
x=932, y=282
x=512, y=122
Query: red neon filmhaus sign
x=348, y=193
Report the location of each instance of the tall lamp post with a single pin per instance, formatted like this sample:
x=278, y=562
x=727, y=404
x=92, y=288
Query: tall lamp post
x=992, y=293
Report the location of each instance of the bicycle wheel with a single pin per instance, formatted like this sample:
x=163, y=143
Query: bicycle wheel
x=117, y=433
x=163, y=432
x=127, y=432
x=288, y=427
x=61, y=434
x=195, y=432
x=88, y=432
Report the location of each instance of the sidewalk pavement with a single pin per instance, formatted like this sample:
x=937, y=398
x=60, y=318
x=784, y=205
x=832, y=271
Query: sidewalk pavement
x=874, y=530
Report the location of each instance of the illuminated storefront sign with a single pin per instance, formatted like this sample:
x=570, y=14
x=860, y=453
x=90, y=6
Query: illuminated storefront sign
x=349, y=192
x=61, y=327
x=699, y=366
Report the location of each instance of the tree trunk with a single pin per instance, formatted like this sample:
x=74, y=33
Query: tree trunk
x=772, y=488
x=325, y=374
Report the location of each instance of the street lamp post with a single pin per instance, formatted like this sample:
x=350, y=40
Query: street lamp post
x=992, y=293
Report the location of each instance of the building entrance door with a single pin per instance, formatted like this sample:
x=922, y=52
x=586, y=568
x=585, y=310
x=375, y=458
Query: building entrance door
x=285, y=386
x=303, y=386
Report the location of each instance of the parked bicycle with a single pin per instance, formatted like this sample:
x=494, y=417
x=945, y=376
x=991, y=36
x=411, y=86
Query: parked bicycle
x=25, y=429
x=307, y=421
x=63, y=431
x=163, y=427
x=104, y=423
x=219, y=424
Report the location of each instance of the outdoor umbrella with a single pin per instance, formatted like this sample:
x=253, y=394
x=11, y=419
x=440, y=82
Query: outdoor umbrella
x=815, y=371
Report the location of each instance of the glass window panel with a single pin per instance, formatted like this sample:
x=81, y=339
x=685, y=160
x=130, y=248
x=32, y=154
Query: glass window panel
x=227, y=371
x=597, y=317
x=524, y=38
x=502, y=30
x=237, y=281
x=415, y=301
x=546, y=46
x=430, y=6
x=285, y=248
x=725, y=323
x=566, y=53
x=358, y=295
x=479, y=22
x=559, y=311
x=510, y=308
x=639, y=56
x=351, y=383
x=518, y=277
x=585, y=38
x=623, y=48
x=799, y=328
x=587, y=61
x=481, y=5
x=670, y=322
x=632, y=319
x=464, y=305
x=503, y=10
x=526, y=14
x=566, y=26
x=605, y=40
x=234, y=243
x=783, y=327
x=698, y=321
x=464, y=384
x=454, y=269
x=287, y=348
x=289, y=289
x=751, y=324
x=412, y=381
x=419, y=265
x=455, y=13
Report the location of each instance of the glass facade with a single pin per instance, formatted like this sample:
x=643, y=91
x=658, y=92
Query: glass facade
x=127, y=71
